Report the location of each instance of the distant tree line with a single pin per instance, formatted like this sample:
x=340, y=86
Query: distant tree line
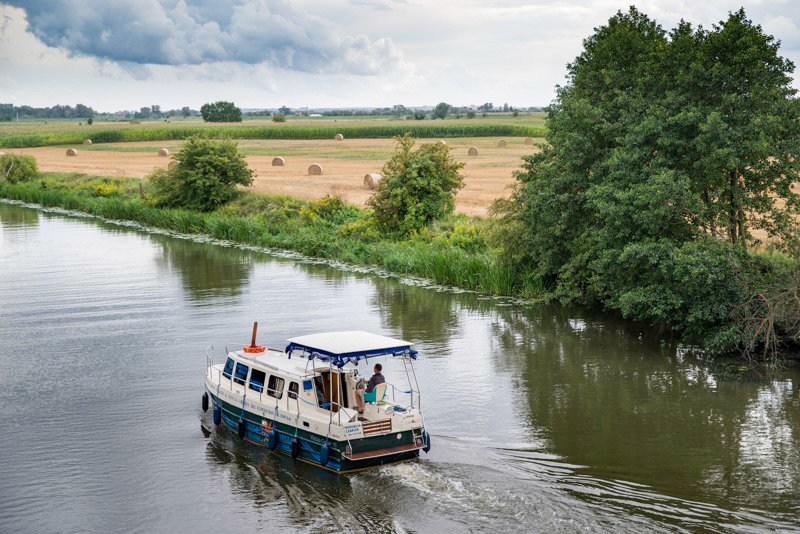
x=9, y=112
x=229, y=112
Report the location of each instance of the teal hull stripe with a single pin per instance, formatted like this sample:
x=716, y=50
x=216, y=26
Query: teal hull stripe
x=257, y=434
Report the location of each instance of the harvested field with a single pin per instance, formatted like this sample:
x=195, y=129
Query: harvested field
x=488, y=175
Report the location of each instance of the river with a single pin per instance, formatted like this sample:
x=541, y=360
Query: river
x=543, y=419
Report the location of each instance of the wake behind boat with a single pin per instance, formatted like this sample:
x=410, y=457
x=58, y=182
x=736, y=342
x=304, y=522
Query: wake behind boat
x=306, y=406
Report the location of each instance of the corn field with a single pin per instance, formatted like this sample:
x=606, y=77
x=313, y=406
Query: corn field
x=120, y=135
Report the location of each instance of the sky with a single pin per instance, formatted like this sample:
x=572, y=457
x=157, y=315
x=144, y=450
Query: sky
x=125, y=54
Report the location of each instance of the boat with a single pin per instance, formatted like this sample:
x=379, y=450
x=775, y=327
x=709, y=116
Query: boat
x=301, y=401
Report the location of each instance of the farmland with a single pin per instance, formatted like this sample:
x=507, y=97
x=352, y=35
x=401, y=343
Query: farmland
x=64, y=132
x=345, y=163
x=121, y=148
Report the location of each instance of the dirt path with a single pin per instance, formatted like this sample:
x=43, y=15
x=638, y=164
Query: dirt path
x=345, y=163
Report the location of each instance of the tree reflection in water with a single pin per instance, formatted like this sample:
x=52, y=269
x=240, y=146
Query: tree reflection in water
x=207, y=271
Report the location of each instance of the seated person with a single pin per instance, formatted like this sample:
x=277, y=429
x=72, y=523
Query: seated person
x=376, y=379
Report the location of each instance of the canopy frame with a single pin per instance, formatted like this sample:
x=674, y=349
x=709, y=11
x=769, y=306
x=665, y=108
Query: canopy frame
x=342, y=359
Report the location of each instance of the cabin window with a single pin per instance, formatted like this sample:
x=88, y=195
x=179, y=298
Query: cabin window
x=275, y=386
x=241, y=373
x=294, y=389
x=257, y=380
x=228, y=371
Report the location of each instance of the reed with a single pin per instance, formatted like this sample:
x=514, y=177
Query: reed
x=314, y=228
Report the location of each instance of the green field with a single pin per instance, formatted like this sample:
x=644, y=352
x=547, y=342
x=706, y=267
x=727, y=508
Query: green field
x=71, y=132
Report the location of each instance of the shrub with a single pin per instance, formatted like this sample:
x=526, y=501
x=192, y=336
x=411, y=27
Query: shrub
x=206, y=176
x=331, y=209
x=17, y=168
x=470, y=114
x=279, y=117
x=362, y=229
x=418, y=187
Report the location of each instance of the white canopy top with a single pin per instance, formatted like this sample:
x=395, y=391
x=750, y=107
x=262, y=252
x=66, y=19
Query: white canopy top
x=350, y=342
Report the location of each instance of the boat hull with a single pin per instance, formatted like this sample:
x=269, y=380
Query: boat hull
x=344, y=456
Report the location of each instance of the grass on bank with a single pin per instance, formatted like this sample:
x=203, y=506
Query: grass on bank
x=452, y=252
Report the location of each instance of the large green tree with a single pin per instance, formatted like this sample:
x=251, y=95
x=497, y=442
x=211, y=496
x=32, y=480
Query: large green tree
x=221, y=112
x=665, y=150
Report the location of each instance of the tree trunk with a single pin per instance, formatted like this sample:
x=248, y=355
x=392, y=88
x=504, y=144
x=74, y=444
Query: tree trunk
x=741, y=221
x=733, y=211
x=711, y=226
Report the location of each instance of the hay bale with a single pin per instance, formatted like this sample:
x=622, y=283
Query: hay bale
x=501, y=142
x=278, y=162
x=87, y=141
x=172, y=164
x=72, y=152
x=528, y=141
x=472, y=151
x=441, y=142
x=338, y=137
x=163, y=152
x=371, y=180
x=315, y=169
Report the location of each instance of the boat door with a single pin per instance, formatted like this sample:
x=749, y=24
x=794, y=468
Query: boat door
x=331, y=386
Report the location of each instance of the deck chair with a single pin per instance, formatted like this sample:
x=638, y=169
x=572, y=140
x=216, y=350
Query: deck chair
x=377, y=395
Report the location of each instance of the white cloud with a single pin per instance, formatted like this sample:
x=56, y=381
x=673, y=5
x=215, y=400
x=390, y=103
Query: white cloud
x=186, y=32
x=471, y=52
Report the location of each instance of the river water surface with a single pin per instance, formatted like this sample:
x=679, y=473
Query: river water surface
x=542, y=419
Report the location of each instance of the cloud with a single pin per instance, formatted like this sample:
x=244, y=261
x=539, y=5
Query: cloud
x=193, y=32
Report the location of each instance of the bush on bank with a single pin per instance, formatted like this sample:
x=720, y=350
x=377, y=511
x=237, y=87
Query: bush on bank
x=17, y=168
x=205, y=177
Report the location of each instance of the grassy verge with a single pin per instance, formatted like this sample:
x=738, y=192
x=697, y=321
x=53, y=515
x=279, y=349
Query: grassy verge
x=308, y=131
x=454, y=252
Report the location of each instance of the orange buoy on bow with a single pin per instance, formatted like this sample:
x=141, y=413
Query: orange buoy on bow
x=253, y=347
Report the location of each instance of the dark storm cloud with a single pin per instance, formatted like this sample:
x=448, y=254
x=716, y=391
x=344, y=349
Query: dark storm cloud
x=169, y=32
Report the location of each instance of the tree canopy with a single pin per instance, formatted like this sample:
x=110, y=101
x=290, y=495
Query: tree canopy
x=221, y=112
x=440, y=111
x=665, y=152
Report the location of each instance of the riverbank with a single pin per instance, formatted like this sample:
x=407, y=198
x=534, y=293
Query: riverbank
x=454, y=252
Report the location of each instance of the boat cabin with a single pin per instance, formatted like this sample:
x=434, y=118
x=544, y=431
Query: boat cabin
x=317, y=376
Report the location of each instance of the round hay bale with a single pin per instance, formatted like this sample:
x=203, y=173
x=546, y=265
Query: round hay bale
x=338, y=137
x=315, y=169
x=278, y=162
x=501, y=142
x=163, y=152
x=72, y=152
x=87, y=141
x=172, y=164
x=472, y=151
x=371, y=180
x=442, y=142
x=528, y=141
